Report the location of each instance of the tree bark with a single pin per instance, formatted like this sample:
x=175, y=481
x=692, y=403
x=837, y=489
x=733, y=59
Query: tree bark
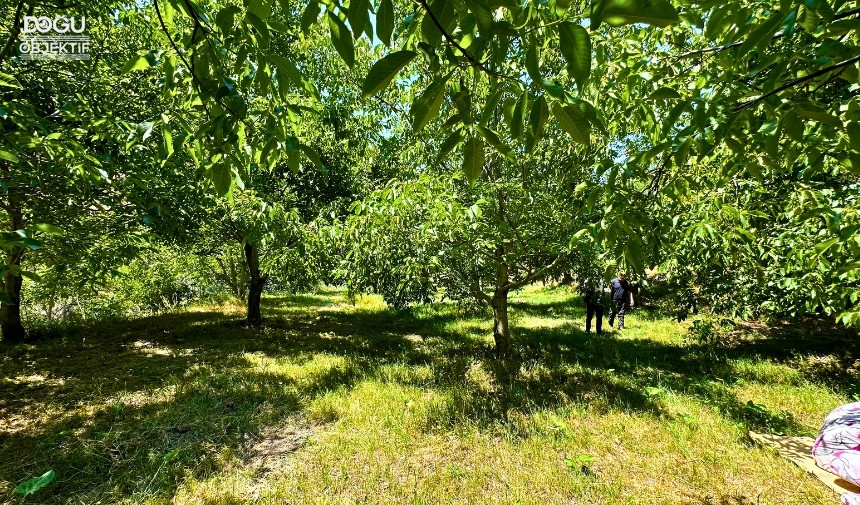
x=501, y=331
x=258, y=282
x=10, y=314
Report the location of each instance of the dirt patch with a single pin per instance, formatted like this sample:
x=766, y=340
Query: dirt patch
x=270, y=452
x=271, y=448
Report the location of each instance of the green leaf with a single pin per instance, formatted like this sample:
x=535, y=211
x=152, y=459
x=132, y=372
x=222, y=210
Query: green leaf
x=426, y=107
x=653, y=12
x=822, y=247
x=493, y=139
x=755, y=170
x=483, y=16
x=137, y=62
x=260, y=26
x=31, y=486
x=448, y=145
x=278, y=26
x=843, y=26
x=490, y=107
x=537, y=119
x=312, y=155
x=31, y=275
x=293, y=151
x=384, y=70
x=260, y=8
x=762, y=34
x=286, y=69
x=683, y=152
x=633, y=254
x=30, y=243
x=357, y=14
x=48, y=228
x=222, y=177
x=554, y=89
x=814, y=112
x=310, y=15
x=793, y=126
x=716, y=23
x=533, y=63
x=654, y=391
x=473, y=159
x=518, y=116
x=572, y=121
x=591, y=115
x=168, y=141
x=853, y=130
x=9, y=81
x=810, y=19
x=443, y=10
x=5, y=155
x=385, y=21
x=575, y=46
x=224, y=18
x=341, y=39
x=664, y=93
x=595, y=13
x=585, y=459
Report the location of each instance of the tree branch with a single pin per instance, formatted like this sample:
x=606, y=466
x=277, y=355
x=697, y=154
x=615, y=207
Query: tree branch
x=791, y=84
x=190, y=67
x=16, y=30
x=466, y=54
x=536, y=275
x=779, y=35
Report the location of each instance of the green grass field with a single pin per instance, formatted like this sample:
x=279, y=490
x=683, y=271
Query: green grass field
x=339, y=403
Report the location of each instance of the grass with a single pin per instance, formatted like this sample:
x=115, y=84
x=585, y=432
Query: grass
x=339, y=403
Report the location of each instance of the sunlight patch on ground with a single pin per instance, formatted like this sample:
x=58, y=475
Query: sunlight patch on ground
x=34, y=379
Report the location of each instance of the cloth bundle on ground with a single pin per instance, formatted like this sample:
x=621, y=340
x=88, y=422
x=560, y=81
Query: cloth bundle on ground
x=837, y=448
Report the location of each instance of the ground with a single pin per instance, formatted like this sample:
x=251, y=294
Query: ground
x=335, y=402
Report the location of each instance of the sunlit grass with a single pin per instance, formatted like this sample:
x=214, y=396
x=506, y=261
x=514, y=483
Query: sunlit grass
x=343, y=401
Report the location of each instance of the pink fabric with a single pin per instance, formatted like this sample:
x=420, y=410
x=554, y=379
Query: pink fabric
x=837, y=448
x=851, y=499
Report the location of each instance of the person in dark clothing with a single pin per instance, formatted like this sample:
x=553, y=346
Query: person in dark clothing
x=591, y=290
x=622, y=299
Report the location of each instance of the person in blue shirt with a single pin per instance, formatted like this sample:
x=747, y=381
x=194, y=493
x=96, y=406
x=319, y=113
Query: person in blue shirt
x=622, y=299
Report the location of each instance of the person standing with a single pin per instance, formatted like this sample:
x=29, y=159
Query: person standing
x=622, y=299
x=591, y=290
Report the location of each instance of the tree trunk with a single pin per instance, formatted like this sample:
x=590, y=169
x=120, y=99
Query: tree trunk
x=10, y=314
x=501, y=331
x=258, y=282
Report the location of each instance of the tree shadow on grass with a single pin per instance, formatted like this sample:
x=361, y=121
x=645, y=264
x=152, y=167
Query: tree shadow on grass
x=138, y=406
x=559, y=366
x=128, y=409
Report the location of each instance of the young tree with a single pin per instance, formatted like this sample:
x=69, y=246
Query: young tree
x=415, y=240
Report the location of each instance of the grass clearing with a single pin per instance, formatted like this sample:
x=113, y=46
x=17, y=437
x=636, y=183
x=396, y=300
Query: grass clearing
x=339, y=403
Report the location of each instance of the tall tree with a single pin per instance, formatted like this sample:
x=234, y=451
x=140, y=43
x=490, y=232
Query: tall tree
x=65, y=164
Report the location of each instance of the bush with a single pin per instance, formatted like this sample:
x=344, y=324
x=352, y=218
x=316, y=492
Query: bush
x=162, y=278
